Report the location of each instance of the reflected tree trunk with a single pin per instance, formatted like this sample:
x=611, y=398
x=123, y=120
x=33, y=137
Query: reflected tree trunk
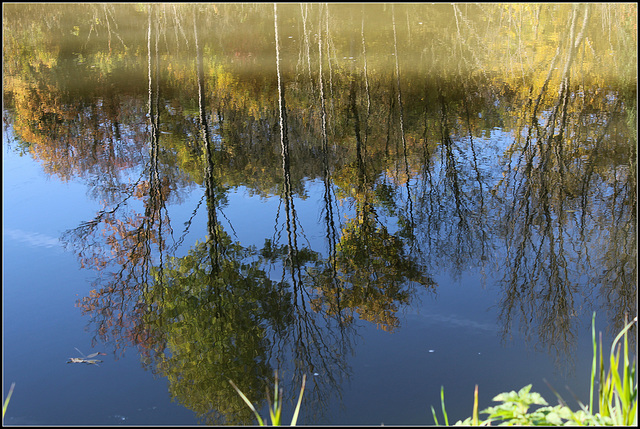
x=328, y=196
x=410, y=225
x=290, y=212
x=539, y=281
x=314, y=350
x=213, y=238
x=305, y=54
x=366, y=77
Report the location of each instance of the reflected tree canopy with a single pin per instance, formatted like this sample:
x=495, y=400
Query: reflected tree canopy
x=443, y=138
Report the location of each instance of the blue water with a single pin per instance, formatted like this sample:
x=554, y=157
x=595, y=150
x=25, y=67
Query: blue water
x=449, y=339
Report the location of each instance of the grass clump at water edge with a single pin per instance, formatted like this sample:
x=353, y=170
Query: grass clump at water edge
x=275, y=408
x=617, y=396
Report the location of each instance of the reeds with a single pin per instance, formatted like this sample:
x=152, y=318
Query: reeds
x=6, y=401
x=275, y=408
x=617, y=396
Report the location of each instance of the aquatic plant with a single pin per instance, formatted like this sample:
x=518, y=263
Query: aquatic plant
x=617, y=396
x=6, y=401
x=275, y=408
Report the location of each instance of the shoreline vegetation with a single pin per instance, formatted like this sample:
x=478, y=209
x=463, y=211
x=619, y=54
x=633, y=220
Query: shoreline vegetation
x=617, y=397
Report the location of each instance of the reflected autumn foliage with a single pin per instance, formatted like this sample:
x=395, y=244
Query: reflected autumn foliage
x=557, y=167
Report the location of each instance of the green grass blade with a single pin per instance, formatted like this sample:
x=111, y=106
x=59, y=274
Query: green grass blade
x=602, y=385
x=621, y=333
x=275, y=408
x=435, y=417
x=272, y=407
x=615, y=375
x=626, y=394
x=444, y=411
x=5, y=405
x=278, y=408
x=618, y=412
x=618, y=385
x=248, y=402
x=593, y=362
x=475, y=406
x=607, y=397
x=294, y=419
x=634, y=413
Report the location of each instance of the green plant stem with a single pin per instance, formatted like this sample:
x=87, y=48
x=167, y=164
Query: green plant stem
x=444, y=411
x=617, y=395
x=6, y=401
x=248, y=402
x=294, y=419
x=593, y=361
x=475, y=406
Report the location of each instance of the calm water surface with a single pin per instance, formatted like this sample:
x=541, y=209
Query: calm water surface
x=382, y=199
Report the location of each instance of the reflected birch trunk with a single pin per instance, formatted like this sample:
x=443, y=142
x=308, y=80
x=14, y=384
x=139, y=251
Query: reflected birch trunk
x=411, y=223
x=314, y=349
x=213, y=238
x=290, y=212
x=545, y=184
x=328, y=196
x=304, y=51
x=156, y=202
x=329, y=50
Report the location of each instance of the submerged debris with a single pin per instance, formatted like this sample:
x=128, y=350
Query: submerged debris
x=87, y=359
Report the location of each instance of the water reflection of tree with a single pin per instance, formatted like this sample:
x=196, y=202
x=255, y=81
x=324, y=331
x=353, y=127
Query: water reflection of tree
x=114, y=305
x=215, y=314
x=373, y=275
x=567, y=198
x=212, y=310
x=452, y=227
x=317, y=346
x=549, y=189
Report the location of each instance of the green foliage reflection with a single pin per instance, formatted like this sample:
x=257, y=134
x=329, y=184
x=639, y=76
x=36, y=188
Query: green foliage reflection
x=215, y=322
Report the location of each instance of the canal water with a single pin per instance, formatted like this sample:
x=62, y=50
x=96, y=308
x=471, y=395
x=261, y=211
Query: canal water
x=377, y=200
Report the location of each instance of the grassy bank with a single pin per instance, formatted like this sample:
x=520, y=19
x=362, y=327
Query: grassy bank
x=617, y=399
